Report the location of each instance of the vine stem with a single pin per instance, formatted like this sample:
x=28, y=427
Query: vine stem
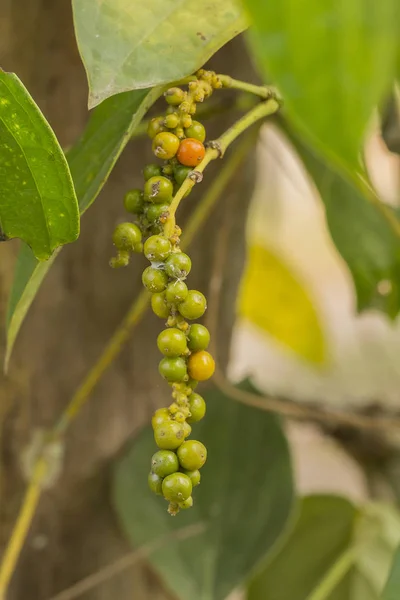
x=216, y=149
x=113, y=348
x=263, y=91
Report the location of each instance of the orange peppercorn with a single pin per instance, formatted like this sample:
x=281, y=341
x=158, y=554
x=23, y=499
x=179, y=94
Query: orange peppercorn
x=201, y=365
x=191, y=152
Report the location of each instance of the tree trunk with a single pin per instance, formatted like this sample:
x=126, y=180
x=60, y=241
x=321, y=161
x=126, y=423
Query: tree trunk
x=80, y=304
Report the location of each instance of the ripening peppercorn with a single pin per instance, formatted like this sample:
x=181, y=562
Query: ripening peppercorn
x=192, y=455
x=165, y=145
x=155, y=483
x=176, y=292
x=177, y=487
x=201, y=365
x=160, y=417
x=169, y=436
x=198, y=337
x=196, y=131
x=172, y=342
x=180, y=174
x=155, y=212
x=171, y=121
x=174, y=96
x=155, y=126
x=173, y=370
x=194, y=476
x=133, y=202
x=126, y=236
x=164, y=462
x=160, y=306
x=187, y=430
x=178, y=265
x=154, y=279
x=151, y=170
x=158, y=189
x=191, y=152
x=194, y=306
x=197, y=408
x=188, y=503
x=157, y=248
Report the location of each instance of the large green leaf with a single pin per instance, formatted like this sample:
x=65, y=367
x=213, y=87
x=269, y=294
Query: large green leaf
x=392, y=587
x=332, y=61
x=37, y=199
x=91, y=160
x=244, y=501
x=136, y=44
x=361, y=232
x=335, y=552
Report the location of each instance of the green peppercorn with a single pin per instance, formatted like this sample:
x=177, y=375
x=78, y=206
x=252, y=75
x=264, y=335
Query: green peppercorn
x=121, y=260
x=151, y=170
x=126, y=235
x=173, y=370
x=158, y=189
x=180, y=174
x=197, y=408
x=165, y=145
x=196, y=131
x=155, y=483
x=192, y=455
x=187, y=430
x=155, y=126
x=160, y=417
x=194, y=476
x=157, y=248
x=171, y=121
x=198, y=337
x=160, y=306
x=169, y=436
x=174, y=96
x=172, y=342
x=154, y=279
x=178, y=265
x=188, y=503
x=133, y=202
x=164, y=462
x=156, y=211
x=176, y=292
x=194, y=306
x=177, y=487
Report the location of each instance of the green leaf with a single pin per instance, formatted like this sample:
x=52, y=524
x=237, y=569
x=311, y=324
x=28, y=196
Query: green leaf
x=361, y=232
x=333, y=62
x=136, y=44
x=392, y=587
x=38, y=202
x=244, y=501
x=335, y=552
x=91, y=161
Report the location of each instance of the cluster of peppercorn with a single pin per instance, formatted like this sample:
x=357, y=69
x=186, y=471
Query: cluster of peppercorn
x=178, y=141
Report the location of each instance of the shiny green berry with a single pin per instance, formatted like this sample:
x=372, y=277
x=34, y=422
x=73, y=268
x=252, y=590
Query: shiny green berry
x=158, y=189
x=160, y=417
x=194, y=306
x=177, y=487
x=187, y=430
x=174, y=96
x=156, y=211
x=178, y=265
x=165, y=145
x=192, y=455
x=151, y=170
x=180, y=174
x=164, y=462
x=196, y=131
x=126, y=236
x=157, y=248
x=160, y=306
x=169, y=436
x=171, y=121
x=155, y=126
x=172, y=342
x=188, y=503
x=198, y=337
x=173, y=370
x=176, y=292
x=155, y=483
x=197, y=408
x=194, y=476
x=133, y=202
x=154, y=279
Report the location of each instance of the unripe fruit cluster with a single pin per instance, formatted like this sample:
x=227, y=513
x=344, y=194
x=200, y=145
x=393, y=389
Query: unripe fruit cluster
x=177, y=139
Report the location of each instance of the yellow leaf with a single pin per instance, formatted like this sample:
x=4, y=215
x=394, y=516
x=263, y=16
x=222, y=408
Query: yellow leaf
x=273, y=300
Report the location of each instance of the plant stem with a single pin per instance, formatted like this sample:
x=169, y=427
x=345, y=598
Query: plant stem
x=334, y=576
x=262, y=91
x=113, y=348
x=217, y=149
